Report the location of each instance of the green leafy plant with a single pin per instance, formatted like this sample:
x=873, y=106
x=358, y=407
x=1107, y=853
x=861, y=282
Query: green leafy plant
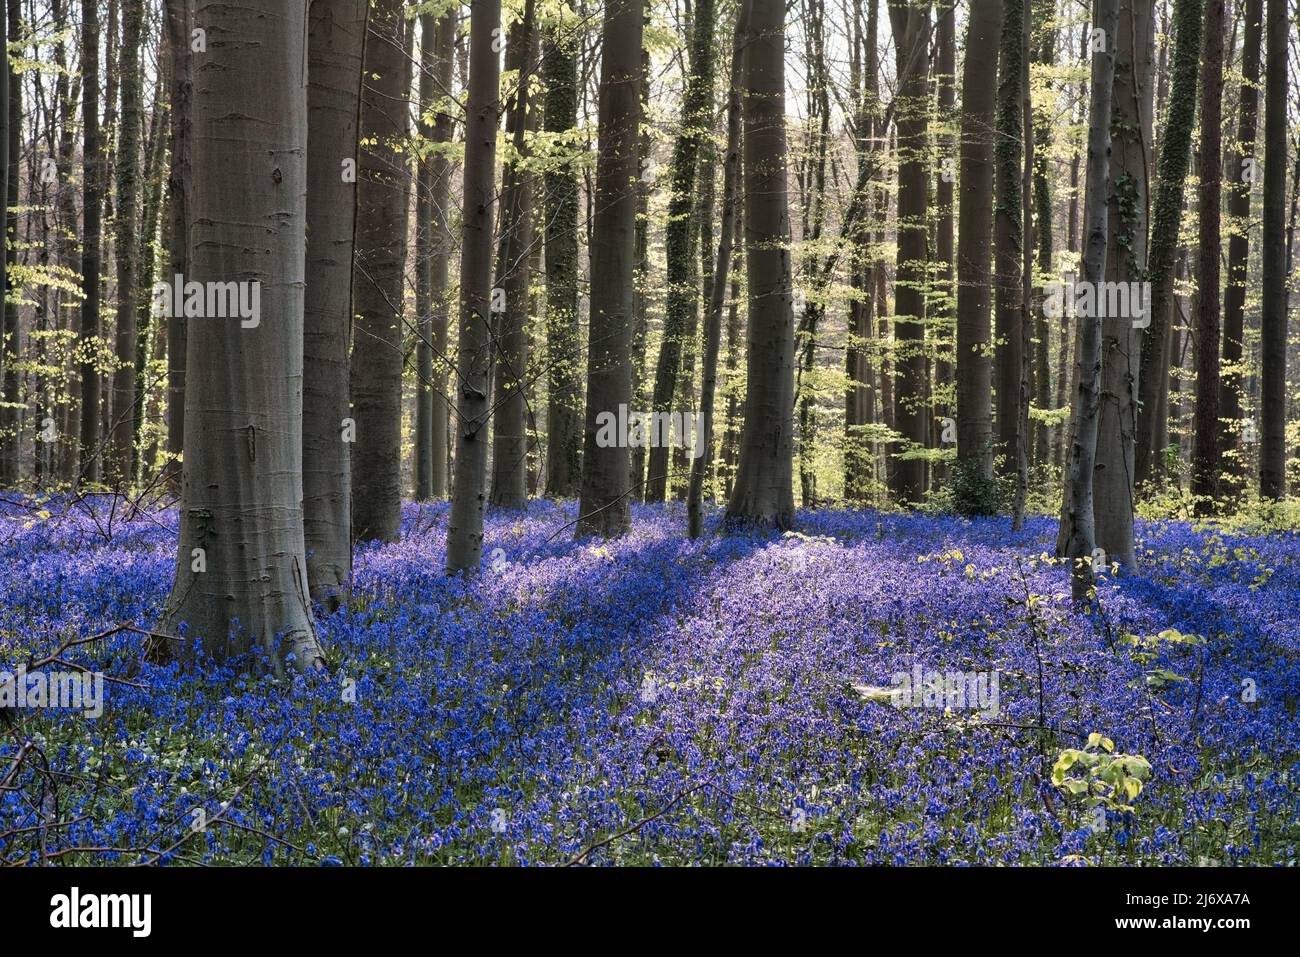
x=1099, y=776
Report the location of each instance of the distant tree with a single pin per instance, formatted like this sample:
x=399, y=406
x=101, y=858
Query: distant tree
x=1273, y=317
x=1205, y=447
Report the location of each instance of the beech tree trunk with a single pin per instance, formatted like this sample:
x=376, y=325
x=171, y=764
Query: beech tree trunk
x=763, y=493
x=126, y=249
x=682, y=276
x=241, y=574
x=974, y=363
x=1273, y=316
x=89, y=458
x=383, y=191
x=604, y=504
x=180, y=95
x=721, y=276
x=474, y=356
x=911, y=28
x=510, y=404
x=563, y=331
x=335, y=47
x=1083, y=448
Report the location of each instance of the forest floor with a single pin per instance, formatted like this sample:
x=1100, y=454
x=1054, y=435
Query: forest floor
x=655, y=700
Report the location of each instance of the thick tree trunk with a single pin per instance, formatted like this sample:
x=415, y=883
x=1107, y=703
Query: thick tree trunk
x=474, y=357
x=1273, y=316
x=911, y=27
x=563, y=331
x=1205, y=449
x=510, y=403
x=335, y=47
x=682, y=277
x=126, y=248
x=604, y=506
x=1083, y=448
x=1126, y=259
x=974, y=372
x=763, y=492
x=378, y=287
x=241, y=576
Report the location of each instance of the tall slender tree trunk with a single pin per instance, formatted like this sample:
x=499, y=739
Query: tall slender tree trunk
x=474, y=356
x=1241, y=177
x=10, y=413
x=335, y=48
x=1175, y=158
x=241, y=576
x=717, y=298
x=1126, y=260
x=126, y=248
x=1273, y=316
x=1083, y=448
x=604, y=506
x=1007, y=232
x=510, y=405
x=563, y=331
x=911, y=27
x=92, y=206
x=763, y=492
x=682, y=278
x=378, y=287
x=1042, y=135
x=1205, y=448
x=974, y=364
x=943, y=325
x=179, y=24
x=442, y=246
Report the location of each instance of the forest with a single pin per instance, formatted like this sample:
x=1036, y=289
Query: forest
x=681, y=432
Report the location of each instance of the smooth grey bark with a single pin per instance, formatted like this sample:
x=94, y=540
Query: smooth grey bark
x=563, y=344
x=92, y=205
x=1273, y=316
x=335, y=48
x=1087, y=399
x=974, y=362
x=763, y=493
x=474, y=357
x=944, y=317
x=1126, y=262
x=241, y=575
x=179, y=23
x=126, y=250
x=604, y=506
x=718, y=294
x=383, y=191
x=434, y=251
x=514, y=252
